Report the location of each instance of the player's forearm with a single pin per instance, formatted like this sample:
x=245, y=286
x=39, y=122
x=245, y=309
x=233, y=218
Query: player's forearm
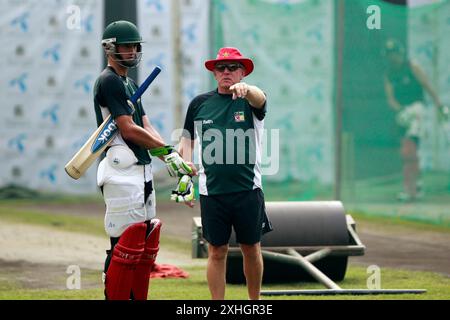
x=148, y=126
x=394, y=104
x=423, y=79
x=153, y=132
x=256, y=97
x=434, y=96
x=142, y=137
x=429, y=89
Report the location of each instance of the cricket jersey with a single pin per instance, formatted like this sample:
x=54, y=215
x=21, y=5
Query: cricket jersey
x=111, y=92
x=407, y=88
x=228, y=134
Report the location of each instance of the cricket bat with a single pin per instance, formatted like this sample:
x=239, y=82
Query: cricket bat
x=103, y=136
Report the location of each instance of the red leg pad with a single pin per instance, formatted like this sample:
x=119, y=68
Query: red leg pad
x=125, y=257
x=142, y=274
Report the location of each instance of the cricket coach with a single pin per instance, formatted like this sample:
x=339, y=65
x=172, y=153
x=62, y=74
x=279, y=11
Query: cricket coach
x=228, y=124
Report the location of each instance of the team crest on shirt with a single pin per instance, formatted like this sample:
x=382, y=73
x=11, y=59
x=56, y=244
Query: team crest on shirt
x=239, y=116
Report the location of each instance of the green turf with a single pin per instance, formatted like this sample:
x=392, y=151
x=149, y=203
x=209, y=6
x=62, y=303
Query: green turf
x=64, y=222
x=195, y=287
x=23, y=195
x=361, y=216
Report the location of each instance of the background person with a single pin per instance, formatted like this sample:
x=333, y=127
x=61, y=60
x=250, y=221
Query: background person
x=405, y=85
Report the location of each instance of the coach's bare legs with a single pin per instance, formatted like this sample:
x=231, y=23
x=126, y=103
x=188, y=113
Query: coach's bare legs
x=215, y=273
x=253, y=269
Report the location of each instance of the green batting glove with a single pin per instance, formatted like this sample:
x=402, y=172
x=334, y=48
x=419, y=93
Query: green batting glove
x=174, y=162
x=184, y=191
x=176, y=165
x=162, y=151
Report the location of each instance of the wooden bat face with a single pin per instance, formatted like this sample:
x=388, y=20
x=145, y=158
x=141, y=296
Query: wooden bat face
x=87, y=154
x=105, y=135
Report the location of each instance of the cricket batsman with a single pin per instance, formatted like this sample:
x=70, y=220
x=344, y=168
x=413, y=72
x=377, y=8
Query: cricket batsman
x=125, y=174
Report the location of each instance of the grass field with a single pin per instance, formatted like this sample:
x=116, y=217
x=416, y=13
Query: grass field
x=195, y=287
x=13, y=286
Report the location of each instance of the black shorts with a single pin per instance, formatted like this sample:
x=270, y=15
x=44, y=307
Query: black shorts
x=244, y=211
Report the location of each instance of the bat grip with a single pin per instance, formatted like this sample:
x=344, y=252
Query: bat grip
x=140, y=91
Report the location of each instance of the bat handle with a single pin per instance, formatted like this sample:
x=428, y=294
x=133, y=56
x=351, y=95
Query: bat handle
x=140, y=91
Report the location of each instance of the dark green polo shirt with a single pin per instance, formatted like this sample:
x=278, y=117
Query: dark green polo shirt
x=407, y=88
x=228, y=133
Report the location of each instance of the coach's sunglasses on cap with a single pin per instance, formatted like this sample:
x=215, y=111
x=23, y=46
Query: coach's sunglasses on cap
x=230, y=66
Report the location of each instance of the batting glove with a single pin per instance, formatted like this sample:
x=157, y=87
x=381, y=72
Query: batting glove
x=176, y=165
x=184, y=191
x=174, y=162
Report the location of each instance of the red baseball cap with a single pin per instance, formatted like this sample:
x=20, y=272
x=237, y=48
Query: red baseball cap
x=230, y=54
